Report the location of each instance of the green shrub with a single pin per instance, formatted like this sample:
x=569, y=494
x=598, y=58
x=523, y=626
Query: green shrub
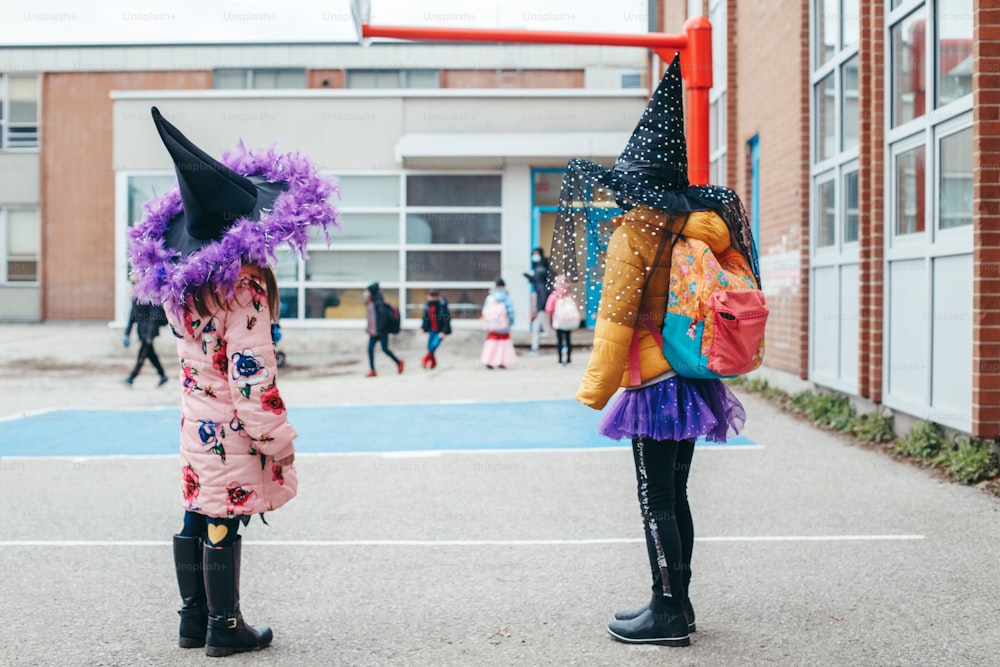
x=802, y=401
x=923, y=442
x=968, y=460
x=875, y=426
x=832, y=411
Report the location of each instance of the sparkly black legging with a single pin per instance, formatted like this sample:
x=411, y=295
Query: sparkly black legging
x=661, y=472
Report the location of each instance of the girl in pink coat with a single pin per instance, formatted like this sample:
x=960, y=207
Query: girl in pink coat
x=203, y=250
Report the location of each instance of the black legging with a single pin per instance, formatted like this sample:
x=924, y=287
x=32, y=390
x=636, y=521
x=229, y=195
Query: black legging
x=661, y=472
x=563, y=340
x=384, y=339
x=147, y=351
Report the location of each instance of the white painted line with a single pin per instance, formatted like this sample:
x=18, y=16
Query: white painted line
x=387, y=454
x=809, y=538
x=458, y=543
x=25, y=415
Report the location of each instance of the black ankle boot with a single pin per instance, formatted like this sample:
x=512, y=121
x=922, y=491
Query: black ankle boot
x=191, y=583
x=629, y=614
x=662, y=623
x=227, y=633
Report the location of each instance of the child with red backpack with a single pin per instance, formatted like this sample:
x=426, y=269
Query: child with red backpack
x=437, y=324
x=664, y=408
x=564, y=312
x=497, y=317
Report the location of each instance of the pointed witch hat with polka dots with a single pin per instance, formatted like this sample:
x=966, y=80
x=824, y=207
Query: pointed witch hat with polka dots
x=651, y=171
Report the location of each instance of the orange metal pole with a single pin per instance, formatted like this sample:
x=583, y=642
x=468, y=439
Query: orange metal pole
x=696, y=64
x=651, y=40
x=695, y=47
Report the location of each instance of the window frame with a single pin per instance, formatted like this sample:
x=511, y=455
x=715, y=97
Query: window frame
x=5, y=251
x=5, y=123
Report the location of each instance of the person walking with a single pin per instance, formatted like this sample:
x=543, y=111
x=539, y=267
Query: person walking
x=437, y=324
x=498, y=318
x=564, y=312
x=539, y=278
x=203, y=251
x=661, y=412
x=147, y=318
x=378, y=328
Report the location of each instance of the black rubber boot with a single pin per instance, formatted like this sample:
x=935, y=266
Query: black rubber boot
x=191, y=583
x=662, y=623
x=629, y=614
x=227, y=633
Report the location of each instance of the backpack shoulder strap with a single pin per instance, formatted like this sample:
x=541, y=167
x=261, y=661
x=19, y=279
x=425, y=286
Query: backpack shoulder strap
x=635, y=374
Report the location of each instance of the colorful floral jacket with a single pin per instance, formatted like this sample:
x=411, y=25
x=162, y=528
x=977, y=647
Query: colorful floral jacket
x=233, y=421
x=631, y=249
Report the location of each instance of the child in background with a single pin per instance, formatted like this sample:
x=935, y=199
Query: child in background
x=498, y=316
x=437, y=324
x=564, y=312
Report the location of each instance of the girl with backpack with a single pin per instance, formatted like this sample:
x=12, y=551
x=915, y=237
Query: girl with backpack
x=498, y=317
x=202, y=250
x=378, y=328
x=564, y=312
x=661, y=412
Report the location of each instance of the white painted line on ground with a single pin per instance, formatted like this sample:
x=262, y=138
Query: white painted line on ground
x=386, y=454
x=25, y=415
x=458, y=543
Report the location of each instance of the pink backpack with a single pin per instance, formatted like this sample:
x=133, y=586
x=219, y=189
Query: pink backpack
x=716, y=314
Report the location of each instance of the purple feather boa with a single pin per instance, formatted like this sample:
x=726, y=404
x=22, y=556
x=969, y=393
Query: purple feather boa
x=162, y=275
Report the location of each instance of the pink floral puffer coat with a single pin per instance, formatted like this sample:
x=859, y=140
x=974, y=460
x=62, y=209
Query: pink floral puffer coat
x=233, y=421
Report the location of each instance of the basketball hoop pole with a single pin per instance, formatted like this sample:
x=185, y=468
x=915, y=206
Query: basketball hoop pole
x=695, y=47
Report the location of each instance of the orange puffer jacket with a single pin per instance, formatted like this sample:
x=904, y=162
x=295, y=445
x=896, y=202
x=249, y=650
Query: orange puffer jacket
x=631, y=249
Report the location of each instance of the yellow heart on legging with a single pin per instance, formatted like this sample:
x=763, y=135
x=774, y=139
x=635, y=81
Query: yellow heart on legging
x=217, y=533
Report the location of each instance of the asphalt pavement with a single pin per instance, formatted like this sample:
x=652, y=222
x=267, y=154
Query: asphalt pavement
x=810, y=550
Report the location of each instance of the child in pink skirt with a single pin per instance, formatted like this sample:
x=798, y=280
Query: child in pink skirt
x=497, y=317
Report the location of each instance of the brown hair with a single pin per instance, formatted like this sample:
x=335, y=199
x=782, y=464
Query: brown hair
x=206, y=299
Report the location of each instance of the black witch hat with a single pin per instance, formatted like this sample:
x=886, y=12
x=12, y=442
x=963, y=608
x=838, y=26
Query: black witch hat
x=651, y=171
x=214, y=195
x=223, y=214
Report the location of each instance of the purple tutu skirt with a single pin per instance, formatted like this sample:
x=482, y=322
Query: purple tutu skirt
x=675, y=409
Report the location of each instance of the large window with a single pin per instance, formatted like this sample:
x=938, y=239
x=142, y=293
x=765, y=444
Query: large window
x=19, y=245
x=259, y=78
x=18, y=111
x=834, y=256
x=393, y=78
x=929, y=269
x=410, y=232
x=717, y=95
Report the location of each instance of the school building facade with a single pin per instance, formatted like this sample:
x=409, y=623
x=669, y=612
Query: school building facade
x=862, y=135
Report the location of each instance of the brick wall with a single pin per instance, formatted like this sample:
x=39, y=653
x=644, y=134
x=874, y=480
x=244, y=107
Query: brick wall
x=768, y=90
x=77, y=198
x=871, y=197
x=325, y=78
x=986, y=208
x=511, y=78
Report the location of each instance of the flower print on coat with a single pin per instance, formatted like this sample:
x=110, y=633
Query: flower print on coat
x=271, y=399
x=257, y=294
x=208, y=335
x=190, y=485
x=211, y=434
x=220, y=358
x=190, y=381
x=190, y=324
x=277, y=475
x=247, y=369
x=239, y=495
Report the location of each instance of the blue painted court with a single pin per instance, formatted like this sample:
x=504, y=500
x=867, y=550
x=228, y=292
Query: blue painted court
x=551, y=424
